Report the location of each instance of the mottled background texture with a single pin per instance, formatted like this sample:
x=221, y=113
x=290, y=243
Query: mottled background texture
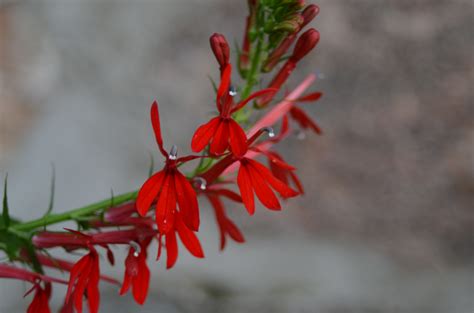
x=387, y=222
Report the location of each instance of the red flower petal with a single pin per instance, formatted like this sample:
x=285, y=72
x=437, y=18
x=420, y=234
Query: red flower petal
x=187, y=201
x=93, y=295
x=278, y=185
x=245, y=187
x=148, y=192
x=155, y=121
x=304, y=120
x=224, y=86
x=189, y=239
x=126, y=283
x=238, y=139
x=203, y=134
x=310, y=97
x=229, y=194
x=262, y=190
x=76, y=270
x=142, y=281
x=234, y=232
x=81, y=284
x=166, y=205
x=297, y=182
x=171, y=249
x=220, y=142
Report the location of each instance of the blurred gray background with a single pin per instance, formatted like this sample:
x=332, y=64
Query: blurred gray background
x=387, y=222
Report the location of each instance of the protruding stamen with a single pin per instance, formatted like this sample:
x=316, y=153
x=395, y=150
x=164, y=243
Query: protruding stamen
x=173, y=153
x=202, y=183
x=232, y=91
x=269, y=130
x=262, y=130
x=135, y=247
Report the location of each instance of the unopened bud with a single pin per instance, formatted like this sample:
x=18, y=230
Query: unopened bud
x=309, y=13
x=305, y=44
x=221, y=49
x=274, y=57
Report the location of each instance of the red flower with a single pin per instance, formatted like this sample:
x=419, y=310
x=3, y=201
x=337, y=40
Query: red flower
x=254, y=177
x=188, y=238
x=168, y=187
x=84, y=280
x=226, y=226
x=222, y=131
x=40, y=301
x=137, y=273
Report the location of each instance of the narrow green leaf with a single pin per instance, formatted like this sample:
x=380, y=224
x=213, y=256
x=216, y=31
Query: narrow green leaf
x=5, y=213
x=53, y=185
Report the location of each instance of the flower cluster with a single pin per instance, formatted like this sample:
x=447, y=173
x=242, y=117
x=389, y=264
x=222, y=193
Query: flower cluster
x=166, y=206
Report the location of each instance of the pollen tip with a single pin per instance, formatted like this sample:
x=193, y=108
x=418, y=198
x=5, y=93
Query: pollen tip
x=232, y=91
x=173, y=153
x=269, y=130
x=135, y=247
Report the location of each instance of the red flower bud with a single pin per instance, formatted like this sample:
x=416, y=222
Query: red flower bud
x=309, y=13
x=276, y=83
x=221, y=50
x=305, y=44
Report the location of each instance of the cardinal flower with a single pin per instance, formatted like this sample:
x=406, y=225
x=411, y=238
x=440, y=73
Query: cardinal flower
x=137, y=273
x=84, y=280
x=253, y=177
x=41, y=297
x=40, y=300
x=188, y=238
x=226, y=226
x=222, y=131
x=168, y=187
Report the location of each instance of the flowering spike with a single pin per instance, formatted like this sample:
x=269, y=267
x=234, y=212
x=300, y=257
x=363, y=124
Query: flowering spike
x=221, y=49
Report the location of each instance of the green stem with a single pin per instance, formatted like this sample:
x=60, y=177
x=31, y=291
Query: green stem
x=74, y=214
x=252, y=75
